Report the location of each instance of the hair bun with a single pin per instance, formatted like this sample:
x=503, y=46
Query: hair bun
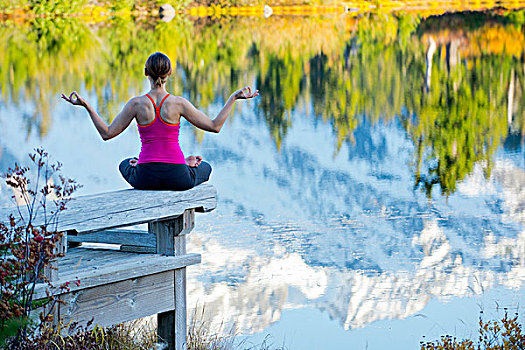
x=158, y=67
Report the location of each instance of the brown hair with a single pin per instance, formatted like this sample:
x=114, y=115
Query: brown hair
x=158, y=67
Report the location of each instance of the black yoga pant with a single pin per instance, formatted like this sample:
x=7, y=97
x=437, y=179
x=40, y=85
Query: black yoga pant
x=164, y=176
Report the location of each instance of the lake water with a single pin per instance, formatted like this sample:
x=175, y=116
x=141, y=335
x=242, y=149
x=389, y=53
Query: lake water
x=370, y=198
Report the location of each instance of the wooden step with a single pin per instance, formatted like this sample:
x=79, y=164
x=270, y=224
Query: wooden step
x=95, y=267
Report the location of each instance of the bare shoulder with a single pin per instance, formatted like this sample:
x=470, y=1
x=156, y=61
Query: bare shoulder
x=178, y=100
x=140, y=104
x=137, y=101
x=140, y=108
x=176, y=104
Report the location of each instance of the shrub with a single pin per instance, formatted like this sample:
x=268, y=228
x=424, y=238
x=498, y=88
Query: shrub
x=28, y=244
x=493, y=335
x=126, y=336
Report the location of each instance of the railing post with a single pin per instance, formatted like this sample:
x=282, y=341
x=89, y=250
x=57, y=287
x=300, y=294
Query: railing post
x=51, y=271
x=171, y=240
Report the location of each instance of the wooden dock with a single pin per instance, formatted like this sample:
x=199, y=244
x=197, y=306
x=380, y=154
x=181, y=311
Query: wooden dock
x=147, y=276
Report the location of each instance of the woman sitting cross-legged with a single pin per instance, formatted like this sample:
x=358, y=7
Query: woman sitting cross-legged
x=161, y=164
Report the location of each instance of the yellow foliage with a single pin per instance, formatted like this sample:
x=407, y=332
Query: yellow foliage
x=506, y=334
x=491, y=39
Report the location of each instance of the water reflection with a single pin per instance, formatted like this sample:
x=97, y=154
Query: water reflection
x=355, y=242
x=348, y=71
x=380, y=169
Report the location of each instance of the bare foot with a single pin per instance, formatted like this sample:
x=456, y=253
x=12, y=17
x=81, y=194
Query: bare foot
x=193, y=161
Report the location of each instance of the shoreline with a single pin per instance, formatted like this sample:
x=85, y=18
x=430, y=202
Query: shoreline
x=95, y=12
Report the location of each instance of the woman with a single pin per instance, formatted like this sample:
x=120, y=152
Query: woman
x=161, y=164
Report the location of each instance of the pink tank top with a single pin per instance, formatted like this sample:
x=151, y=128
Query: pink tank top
x=160, y=140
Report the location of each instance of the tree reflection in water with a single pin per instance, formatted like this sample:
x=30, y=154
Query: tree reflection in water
x=347, y=70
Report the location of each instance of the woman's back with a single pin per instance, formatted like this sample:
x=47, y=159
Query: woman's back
x=159, y=137
x=145, y=109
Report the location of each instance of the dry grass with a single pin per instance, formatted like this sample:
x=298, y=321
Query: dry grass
x=135, y=335
x=200, y=337
x=140, y=334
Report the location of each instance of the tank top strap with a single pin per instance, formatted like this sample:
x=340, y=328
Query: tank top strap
x=157, y=109
x=161, y=102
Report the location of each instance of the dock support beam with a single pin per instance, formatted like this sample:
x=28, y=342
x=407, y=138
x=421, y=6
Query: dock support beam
x=171, y=240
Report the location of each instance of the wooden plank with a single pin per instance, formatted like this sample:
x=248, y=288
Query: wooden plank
x=51, y=271
x=96, y=273
x=165, y=322
x=172, y=325
x=83, y=224
x=188, y=222
x=137, y=265
x=127, y=237
x=171, y=240
x=137, y=249
x=165, y=236
x=167, y=230
x=180, y=245
x=120, y=265
x=180, y=309
x=180, y=296
x=129, y=207
x=85, y=256
x=120, y=301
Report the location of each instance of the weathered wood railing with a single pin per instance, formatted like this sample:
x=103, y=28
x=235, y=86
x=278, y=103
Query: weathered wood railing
x=147, y=275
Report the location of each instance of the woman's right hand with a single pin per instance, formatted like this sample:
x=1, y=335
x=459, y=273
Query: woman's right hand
x=193, y=161
x=75, y=99
x=245, y=93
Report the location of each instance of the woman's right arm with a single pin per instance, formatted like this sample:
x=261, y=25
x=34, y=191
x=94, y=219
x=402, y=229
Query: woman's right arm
x=202, y=121
x=107, y=132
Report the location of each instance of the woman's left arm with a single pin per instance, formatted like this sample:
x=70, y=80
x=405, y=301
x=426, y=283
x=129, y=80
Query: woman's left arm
x=119, y=124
